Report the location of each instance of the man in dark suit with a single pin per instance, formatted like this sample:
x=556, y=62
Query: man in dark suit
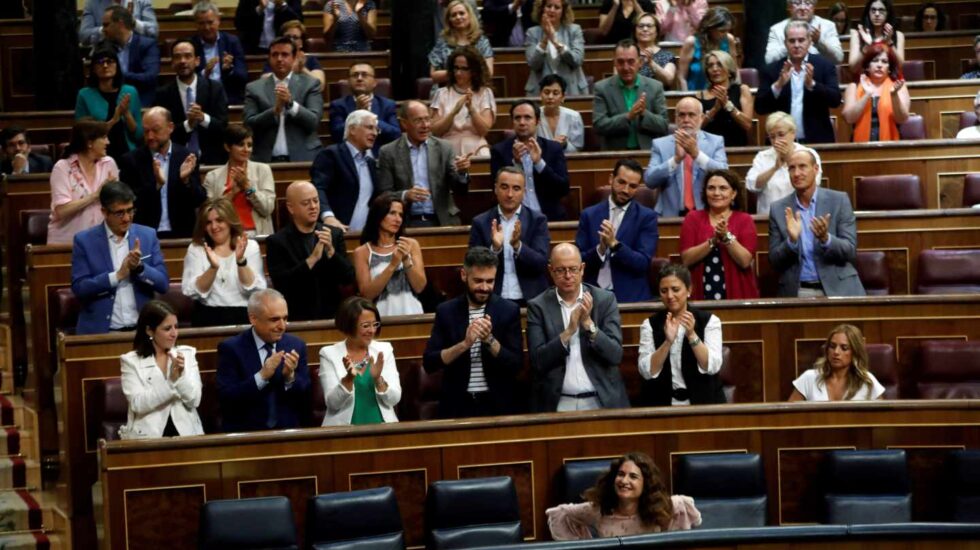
x=518, y=236
x=110, y=274
x=139, y=56
x=18, y=158
x=541, y=160
x=500, y=17
x=165, y=177
x=263, y=379
x=618, y=237
x=575, y=341
x=423, y=170
x=198, y=106
x=345, y=174
x=307, y=260
x=222, y=57
x=803, y=85
x=362, y=83
x=629, y=109
x=476, y=341
x=258, y=21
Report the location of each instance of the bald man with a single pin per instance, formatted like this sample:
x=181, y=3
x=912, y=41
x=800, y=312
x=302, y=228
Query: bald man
x=574, y=340
x=165, y=177
x=679, y=162
x=307, y=260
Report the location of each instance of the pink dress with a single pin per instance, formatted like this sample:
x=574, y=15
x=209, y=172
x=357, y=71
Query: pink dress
x=68, y=183
x=461, y=134
x=679, y=22
x=578, y=521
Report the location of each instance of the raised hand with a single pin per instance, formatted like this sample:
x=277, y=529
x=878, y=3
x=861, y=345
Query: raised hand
x=195, y=115
x=403, y=252
x=793, y=224
x=688, y=142
x=283, y=98
x=462, y=163
x=865, y=35
x=417, y=194
x=888, y=32
x=515, y=237
x=334, y=222
x=686, y=319
x=869, y=88
x=519, y=149
x=671, y=325
x=784, y=148
x=240, y=246
x=271, y=364
x=534, y=149
x=240, y=177
x=463, y=101
x=562, y=140
x=187, y=167
x=209, y=66
x=585, y=310
x=607, y=235
x=814, y=34
x=820, y=225
x=808, y=82
x=212, y=257
x=363, y=101
x=721, y=229
x=720, y=94
x=375, y=366
x=897, y=85
x=177, y=367
x=289, y=363
x=226, y=61
x=638, y=107
x=496, y=235
x=784, y=74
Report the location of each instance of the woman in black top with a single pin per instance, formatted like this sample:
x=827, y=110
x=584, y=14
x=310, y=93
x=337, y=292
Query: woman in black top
x=728, y=104
x=617, y=17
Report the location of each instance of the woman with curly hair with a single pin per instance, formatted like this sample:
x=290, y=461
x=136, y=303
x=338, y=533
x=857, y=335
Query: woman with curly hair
x=841, y=373
x=464, y=111
x=630, y=499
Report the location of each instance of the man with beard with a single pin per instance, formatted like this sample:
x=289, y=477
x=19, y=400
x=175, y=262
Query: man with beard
x=198, y=106
x=360, y=78
x=476, y=340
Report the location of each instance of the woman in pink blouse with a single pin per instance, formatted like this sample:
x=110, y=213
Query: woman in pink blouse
x=76, y=180
x=680, y=18
x=630, y=499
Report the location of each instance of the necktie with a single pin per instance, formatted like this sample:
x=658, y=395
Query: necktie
x=272, y=418
x=604, y=278
x=688, y=183
x=193, y=142
x=530, y=194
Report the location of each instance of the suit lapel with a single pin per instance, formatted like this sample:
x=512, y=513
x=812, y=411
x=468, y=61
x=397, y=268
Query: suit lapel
x=104, y=247
x=435, y=167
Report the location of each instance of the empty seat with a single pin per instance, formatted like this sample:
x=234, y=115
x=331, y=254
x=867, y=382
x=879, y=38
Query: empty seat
x=467, y=513
x=729, y=489
x=423, y=88
x=656, y=264
x=881, y=363
x=967, y=119
x=317, y=45
x=963, y=467
x=891, y=192
x=948, y=272
x=65, y=308
x=45, y=149
x=579, y=475
x=115, y=409
x=35, y=225
x=318, y=403
x=913, y=128
x=429, y=393
x=727, y=375
x=867, y=487
x=355, y=520
x=248, y=523
x=749, y=76
x=183, y=305
x=872, y=268
x=916, y=69
x=948, y=369
x=971, y=190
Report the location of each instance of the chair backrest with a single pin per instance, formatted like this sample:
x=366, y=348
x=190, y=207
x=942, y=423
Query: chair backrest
x=881, y=363
x=891, y=192
x=963, y=467
x=183, y=305
x=34, y=225
x=341, y=88
x=472, y=512
x=64, y=310
x=366, y=519
x=176, y=7
x=644, y=195
x=948, y=271
x=948, y=369
x=656, y=264
x=423, y=88
x=45, y=149
x=915, y=70
x=318, y=403
x=971, y=190
x=749, y=76
x=967, y=119
x=913, y=128
x=429, y=393
x=872, y=268
x=579, y=475
x=728, y=375
x=729, y=488
x=867, y=487
x=115, y=409
x=317, y=45
x=592, y=35
x=248, y=523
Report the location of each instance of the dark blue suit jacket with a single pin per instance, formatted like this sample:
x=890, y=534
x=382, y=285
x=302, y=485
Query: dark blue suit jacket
x=243, y=406
x=144, y=67
x=136, y=171
x=550, y=185
x=335, y=176
x=388, y=128
x=817, y=102
x=531, y=263
x=637, y=232
x=91, y=267
x=233, y=79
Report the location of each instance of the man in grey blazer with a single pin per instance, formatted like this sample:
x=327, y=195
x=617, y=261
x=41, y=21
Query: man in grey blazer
x=813, y=236
x=422, y=170
x=629, y=109
x=575, y=341
x=284, y=110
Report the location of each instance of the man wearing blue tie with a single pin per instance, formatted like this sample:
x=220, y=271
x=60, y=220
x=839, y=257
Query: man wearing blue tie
x=263, y=379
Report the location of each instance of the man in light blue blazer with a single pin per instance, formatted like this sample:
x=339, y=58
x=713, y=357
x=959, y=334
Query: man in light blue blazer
x=116, y=266
x=688, y=150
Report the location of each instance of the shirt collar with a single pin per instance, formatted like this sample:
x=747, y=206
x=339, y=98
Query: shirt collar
x=259, y=342
x=813, y=199
x=276, y=80
x=183, y=87
x=636, y=82
x=517, y=213
x=112, y=236
x=354, y=152
x=170, y=148
x=612, y=204
x=420, y=147
x=581, y=292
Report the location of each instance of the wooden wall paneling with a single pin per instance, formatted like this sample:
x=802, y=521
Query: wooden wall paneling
x=563, y=450
x=299, y=489
x=929, y=480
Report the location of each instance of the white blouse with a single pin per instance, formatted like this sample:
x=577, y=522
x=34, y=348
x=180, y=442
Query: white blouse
x=570, y=125
x=814, y=389
x=227, y=290
x=712, y=339
x=779, y=185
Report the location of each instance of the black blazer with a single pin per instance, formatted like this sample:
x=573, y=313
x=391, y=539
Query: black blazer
x=36, y=164
x=498, y=20
x=136, y=170
x=335, y=176
x=310, y=293
x=817, y=102
x=233, y=79
x=550, y=185
x=210, y=95
x=249, y=22
x=449, y=328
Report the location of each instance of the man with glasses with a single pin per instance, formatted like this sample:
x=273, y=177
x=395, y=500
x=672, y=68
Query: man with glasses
x=629, y=109
x=575, y=341
x=822, y=32
x=360, y=78
x=222, y=57
x=116, y=267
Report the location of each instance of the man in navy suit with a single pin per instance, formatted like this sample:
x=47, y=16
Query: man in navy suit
x=519, y=238
x=476, y=342
x=345, y=174
x=258, y=21
x=165, y=177
x=222, y=57
x=139, y=56
x=362, y=83
x=500, y=18
x=618, y=237
x=541, y=160
x=116, y=266
x=263, y=379
x=198, y=106
x=18, y=157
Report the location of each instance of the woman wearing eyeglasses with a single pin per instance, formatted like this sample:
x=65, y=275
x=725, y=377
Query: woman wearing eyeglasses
x=878, y=26
x=463, y=112
x=358, y=375
x=107, y=98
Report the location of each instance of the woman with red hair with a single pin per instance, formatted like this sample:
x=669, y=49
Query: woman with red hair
x=878, y=101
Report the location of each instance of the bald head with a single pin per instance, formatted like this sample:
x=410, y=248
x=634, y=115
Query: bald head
x=298, y=189
x=562, y=251
x=303, y=204
x=157, y=127
x=688, y=115
x=567, y=269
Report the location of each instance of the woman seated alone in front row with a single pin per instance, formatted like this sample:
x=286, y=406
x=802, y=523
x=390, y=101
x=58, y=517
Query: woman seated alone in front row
x=160, y=379
x=841, y=373
x=630, y=499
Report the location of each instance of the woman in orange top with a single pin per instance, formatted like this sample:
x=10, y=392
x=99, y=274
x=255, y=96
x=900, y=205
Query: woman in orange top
x=247, y=184
x=878, y=101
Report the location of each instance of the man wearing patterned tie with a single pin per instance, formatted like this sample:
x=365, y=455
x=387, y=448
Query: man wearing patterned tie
x=198, y=106
x=618, y=237
x=679, y=162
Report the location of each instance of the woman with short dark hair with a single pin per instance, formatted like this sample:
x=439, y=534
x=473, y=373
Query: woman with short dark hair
x=107, y=98
x=249, y=185
x=878, y=26
x=557, y=122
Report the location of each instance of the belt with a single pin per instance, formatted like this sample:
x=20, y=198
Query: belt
x=815, y=285
x=583, y=395
x=123, y=329
x=422, y=217
x=280, y=158
x=680, y=394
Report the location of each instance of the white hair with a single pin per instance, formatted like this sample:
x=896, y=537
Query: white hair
x=204, y=7
x=796, y=24
x=358, y=118
x=258, y=299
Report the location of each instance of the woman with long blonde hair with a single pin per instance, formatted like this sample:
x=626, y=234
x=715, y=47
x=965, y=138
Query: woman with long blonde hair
x=841, y=373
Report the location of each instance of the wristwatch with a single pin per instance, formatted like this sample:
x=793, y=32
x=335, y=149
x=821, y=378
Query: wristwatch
x=250, y=192
x=593, y=330
x=242, y=263
x=729, y=106
x=490, y=340
x=729, y=237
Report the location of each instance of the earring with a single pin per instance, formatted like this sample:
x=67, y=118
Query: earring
x=151, y=338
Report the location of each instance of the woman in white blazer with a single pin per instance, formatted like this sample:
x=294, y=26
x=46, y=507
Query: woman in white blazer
x=160, y=379
x=359, y=378
x=555, y=46
x=248, y=185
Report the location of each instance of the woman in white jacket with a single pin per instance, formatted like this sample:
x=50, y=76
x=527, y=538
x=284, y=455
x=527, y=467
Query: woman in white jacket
x=160, y=379
x=359, y=378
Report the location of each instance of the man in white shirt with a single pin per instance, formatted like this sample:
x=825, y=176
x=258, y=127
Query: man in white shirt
x=823, y=33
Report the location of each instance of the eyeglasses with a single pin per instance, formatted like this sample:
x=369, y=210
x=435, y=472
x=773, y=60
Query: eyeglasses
x=104, y=61
x=808, y=3
x=120, y=214
x=458, y=68
x=365, y=326
x=421, y=120
x=645, y=26
x=562, y=271
x=361, y=74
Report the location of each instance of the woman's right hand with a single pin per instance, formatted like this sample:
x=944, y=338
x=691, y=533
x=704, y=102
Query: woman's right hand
x=212, y=257
x=348, y=379
x=868, y=86
x=403, y=252
x=670, y=327
x=865, y=35
x=783, y=148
